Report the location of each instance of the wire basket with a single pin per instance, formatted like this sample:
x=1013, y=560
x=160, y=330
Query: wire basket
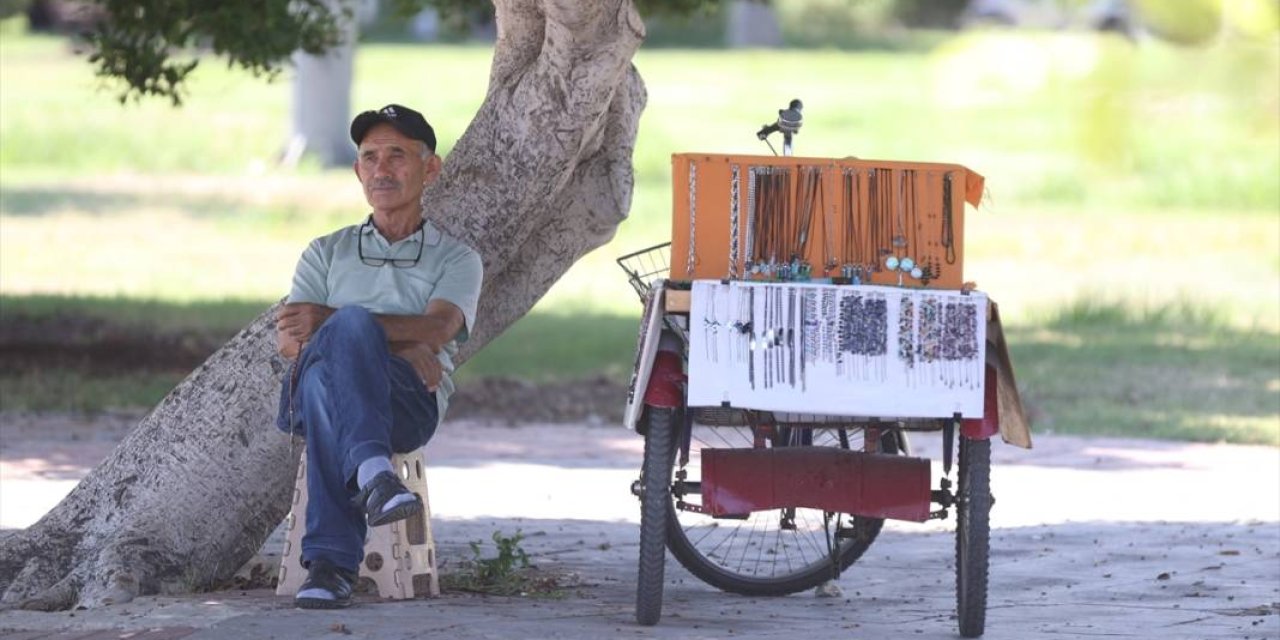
x=645, y=266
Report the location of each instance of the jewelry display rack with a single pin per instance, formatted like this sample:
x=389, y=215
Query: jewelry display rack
x=847, y=221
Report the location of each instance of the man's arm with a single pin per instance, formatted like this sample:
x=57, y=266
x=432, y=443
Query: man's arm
x=437, y=326
x=298, y=321
x=419, y=338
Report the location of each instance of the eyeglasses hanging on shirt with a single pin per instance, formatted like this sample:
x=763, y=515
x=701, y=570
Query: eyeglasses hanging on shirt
x=378, y=261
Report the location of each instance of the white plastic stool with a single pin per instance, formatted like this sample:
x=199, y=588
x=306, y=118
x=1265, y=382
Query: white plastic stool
x=399, y=557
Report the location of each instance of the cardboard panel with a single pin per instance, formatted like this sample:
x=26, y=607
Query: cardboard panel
x=841, y=217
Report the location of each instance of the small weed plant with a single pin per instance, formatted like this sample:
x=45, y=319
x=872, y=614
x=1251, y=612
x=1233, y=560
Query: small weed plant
x=511, y=558
x=509, y=573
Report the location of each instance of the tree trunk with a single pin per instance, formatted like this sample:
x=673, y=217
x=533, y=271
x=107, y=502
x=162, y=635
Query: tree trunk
x=541, y=177
x=321, y=108
x=752, y=24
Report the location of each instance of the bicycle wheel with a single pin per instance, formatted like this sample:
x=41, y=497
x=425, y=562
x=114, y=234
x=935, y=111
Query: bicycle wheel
x=774, y=552
x=973, y=535
x=655, y=498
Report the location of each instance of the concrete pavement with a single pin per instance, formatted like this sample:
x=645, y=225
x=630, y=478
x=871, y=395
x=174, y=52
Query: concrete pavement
x=1091, y=537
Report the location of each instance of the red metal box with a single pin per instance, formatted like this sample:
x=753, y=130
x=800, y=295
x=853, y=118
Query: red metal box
x=740, y=481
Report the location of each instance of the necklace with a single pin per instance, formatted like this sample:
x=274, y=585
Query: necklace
x=873, y=217
x=899, y=239
x=931, y=268
x=910, y=264
x=849, y=215
x=771, y=217
x=948, y=230
x=829, y=261
x=734, y=214
x=810, y=188
x=693, y=219
x=886, y=213
x=749, y=265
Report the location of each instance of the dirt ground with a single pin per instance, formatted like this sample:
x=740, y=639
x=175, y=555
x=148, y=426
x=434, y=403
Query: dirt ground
x=1091, y=537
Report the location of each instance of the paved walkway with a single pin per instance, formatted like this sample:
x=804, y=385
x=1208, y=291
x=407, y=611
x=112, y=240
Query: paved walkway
x=1092, y=537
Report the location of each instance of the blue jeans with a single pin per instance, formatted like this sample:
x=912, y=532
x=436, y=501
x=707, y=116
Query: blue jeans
x=351, y=399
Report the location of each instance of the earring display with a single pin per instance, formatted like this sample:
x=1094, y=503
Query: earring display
x=786, y=219
x=857, y=350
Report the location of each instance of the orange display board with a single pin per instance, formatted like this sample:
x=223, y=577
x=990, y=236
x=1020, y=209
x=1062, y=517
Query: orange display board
x=788, y=218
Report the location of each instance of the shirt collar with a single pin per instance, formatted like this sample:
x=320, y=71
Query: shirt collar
x=430, y=234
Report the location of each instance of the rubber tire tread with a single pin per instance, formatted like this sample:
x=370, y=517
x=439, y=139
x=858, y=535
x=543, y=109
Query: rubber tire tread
x=817, y=573
x=973, y=535
x=655, y=501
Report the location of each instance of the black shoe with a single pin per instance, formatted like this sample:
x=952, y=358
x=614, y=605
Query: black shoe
x=323, y=574
x=381, y=489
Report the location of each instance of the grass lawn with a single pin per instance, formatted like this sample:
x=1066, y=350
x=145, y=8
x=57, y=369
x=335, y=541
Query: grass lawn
x=1130, y=232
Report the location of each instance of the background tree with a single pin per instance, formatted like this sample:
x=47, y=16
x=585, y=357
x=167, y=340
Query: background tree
x=541, y=176
x=320, y=111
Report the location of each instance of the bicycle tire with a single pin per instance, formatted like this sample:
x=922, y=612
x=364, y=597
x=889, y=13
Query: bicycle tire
x=816, y=567
x=655, y=498
x=973, y=535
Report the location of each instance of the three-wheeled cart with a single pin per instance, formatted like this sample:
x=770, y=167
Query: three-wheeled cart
x=776, y=395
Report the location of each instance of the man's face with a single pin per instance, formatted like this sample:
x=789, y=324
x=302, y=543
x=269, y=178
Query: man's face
x=391, y=168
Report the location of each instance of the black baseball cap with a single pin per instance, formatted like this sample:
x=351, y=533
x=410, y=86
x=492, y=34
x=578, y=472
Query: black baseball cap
x=405, y=120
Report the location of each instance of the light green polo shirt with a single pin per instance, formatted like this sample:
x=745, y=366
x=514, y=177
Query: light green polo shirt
x=331, y=273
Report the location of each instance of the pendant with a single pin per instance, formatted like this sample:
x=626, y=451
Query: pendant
x=891, y=263
x=906, y=264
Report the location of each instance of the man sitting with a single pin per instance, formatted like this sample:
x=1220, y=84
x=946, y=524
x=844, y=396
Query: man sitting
x=375, y=313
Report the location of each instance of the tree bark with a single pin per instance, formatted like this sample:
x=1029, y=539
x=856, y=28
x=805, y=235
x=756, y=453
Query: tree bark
x=542, y=176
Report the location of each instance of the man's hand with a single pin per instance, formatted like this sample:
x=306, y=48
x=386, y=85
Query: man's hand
x=423, y=358
x=301, y=320
x=296, y=323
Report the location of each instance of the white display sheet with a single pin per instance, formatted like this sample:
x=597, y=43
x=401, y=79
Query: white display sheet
x=843, y=350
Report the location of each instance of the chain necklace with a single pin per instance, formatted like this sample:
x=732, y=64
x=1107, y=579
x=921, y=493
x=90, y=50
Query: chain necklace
x=829, y=261
x=873, y=215
x=693, y=218
x=849, y=208
x=948, y=220
x=734, y=214
x=760, y=218
x=750, y=266
x=809, y=192
x=916, y=268
x=899, y=239
x=900, y=218
x=886, y=214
